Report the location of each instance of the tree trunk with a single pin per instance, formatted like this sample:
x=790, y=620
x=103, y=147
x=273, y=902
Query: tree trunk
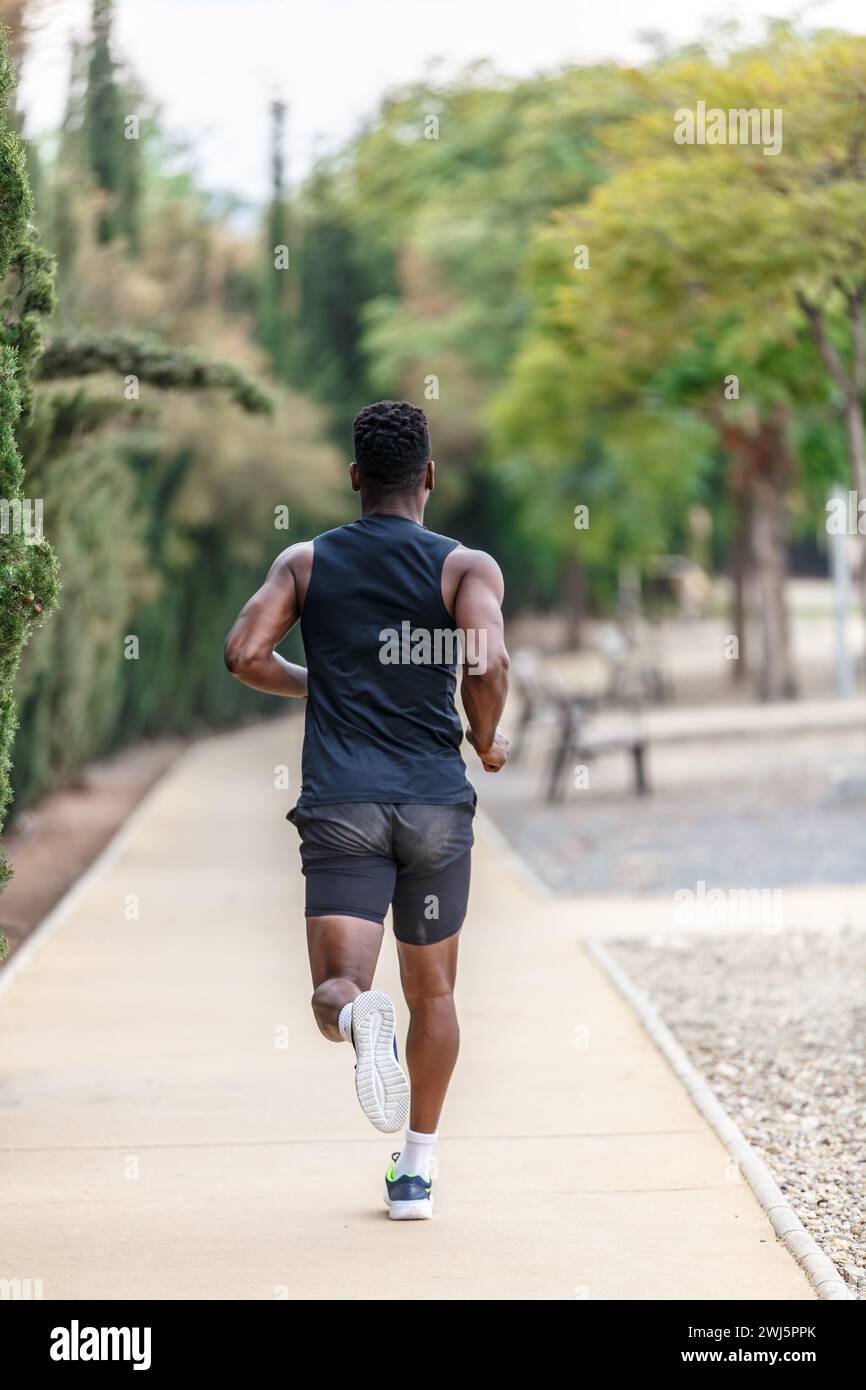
x=759, y=478
x=857, y=455
x=851, y=383
x=740, y=563
x=574, y=588
x=769, y=575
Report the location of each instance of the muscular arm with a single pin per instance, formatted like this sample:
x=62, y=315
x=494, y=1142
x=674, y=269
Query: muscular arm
x=261, y=625
x=478, y=614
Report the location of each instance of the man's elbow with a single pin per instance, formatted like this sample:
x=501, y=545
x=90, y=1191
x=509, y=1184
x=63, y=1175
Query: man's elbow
x=499, y=663
x=239, y=660
x=493, y=670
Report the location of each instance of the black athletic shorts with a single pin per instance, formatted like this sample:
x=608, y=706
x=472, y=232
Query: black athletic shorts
x=360, y=857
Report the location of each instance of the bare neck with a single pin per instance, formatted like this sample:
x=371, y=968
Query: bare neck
x=411, y=508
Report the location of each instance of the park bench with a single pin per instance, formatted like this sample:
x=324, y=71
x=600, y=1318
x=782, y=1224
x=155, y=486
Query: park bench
x=545, y=699
x=634, y=675
x=579, y=744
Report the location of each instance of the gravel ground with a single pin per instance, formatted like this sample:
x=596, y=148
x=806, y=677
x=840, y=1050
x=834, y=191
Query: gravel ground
x=744, y=813
x=774, y=835
x=777, y=1024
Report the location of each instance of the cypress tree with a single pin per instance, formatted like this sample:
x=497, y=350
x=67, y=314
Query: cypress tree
x=276, y=298
x=114, y=160
x=28, y=571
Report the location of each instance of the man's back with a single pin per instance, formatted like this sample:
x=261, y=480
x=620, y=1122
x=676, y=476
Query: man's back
x=381, y=656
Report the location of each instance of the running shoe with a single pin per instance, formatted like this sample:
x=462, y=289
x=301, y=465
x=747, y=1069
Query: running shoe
x=409, y=1197
x=381, y=1083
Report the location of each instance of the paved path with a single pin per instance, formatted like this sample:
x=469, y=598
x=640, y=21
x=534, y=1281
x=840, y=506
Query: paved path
x=173, y=1126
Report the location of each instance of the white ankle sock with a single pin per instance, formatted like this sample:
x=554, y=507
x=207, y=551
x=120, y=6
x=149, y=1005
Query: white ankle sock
x=344, y=1022
x=417, y=1154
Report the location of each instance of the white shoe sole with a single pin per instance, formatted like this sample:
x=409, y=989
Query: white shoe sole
x=409, y=1211
x=380, y=1081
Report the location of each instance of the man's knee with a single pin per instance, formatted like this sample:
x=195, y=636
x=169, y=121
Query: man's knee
x=334, y=988
x=428, y=993
x=427, y=973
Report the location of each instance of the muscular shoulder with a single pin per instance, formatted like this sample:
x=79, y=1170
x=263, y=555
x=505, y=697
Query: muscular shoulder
x=293, y=559
x=477, y=563
x=463, y=564
x=294, y=564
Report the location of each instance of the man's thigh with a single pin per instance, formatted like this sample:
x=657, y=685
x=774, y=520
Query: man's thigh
x=343, y=948
x=346, y=860
x=433, y=849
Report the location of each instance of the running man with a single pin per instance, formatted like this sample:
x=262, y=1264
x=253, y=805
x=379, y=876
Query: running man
x=385, y=812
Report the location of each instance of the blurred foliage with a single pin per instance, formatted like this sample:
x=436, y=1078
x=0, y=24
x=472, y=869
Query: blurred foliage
x=446, y=234
x=700, y=259
x=168, y=467
x=412, y=249
x=28, y=574
x=436, y=261
x=143, y=359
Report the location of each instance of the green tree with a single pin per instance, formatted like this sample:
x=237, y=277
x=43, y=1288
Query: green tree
x=113, y=158
x=28, y=578
x=276, y=300
x=159, y=493
x=775, y=241
x=683, y=294
x=329, y=361
x=444, y=194
x=148, y=360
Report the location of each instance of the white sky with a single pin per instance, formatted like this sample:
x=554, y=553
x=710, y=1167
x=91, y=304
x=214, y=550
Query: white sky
x=214, y=65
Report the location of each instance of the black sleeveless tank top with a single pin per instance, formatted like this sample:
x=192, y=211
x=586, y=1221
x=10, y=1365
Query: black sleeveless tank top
x=381, y=658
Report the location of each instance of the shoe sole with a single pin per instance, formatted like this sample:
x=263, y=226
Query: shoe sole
x=419, y=1210
x=381, y=1084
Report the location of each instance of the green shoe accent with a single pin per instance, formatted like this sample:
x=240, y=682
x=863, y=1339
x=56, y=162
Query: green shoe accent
x=390, y=1176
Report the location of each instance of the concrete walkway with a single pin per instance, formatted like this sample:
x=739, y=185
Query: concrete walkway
x=173, y=1126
